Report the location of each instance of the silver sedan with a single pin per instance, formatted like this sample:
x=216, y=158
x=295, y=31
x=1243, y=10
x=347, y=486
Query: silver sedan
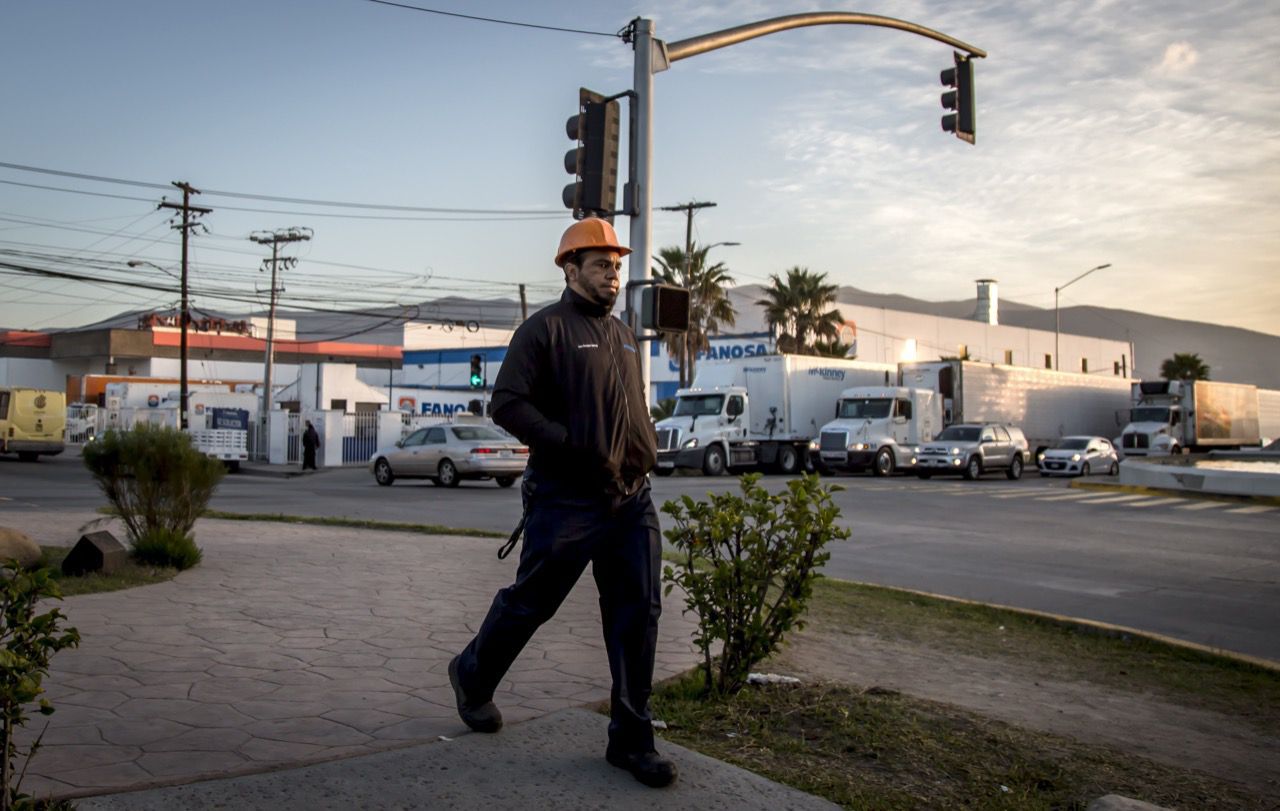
x=1079, y=456
x=447, y=454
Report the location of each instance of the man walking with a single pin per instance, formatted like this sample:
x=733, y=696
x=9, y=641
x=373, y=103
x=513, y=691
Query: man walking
x=310, y=443
x=571, y=389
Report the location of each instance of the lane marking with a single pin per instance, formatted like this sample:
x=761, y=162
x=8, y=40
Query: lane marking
x=1066, y=497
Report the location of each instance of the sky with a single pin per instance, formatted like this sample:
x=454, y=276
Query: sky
x=1142, y=134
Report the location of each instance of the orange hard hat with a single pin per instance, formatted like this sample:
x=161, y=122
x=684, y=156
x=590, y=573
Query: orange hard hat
x=587, y=234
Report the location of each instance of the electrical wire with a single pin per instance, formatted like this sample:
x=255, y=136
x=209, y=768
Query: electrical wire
x=281, y=199
x=492, y=19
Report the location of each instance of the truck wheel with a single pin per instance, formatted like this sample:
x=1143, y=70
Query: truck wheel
x=885, y=462
x=713, y=461
x=974, y=469
x=233, y=465
x=1015, y=469
x=448, y=474
x=788, y=460
x=27, y=456
x=382, y=473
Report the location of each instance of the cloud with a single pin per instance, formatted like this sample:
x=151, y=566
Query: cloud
x=1179, y=58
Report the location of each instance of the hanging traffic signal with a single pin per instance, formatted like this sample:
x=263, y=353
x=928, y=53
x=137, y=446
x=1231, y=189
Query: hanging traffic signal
x=594, y=161
x=664, y=308
x=963, y=122
x=477, y=372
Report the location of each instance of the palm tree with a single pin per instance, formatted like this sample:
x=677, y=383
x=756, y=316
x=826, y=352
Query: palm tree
x=709, y=305
x=797, y=309
x=1184, y=366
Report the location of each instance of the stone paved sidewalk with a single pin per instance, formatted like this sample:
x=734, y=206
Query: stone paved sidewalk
x=294, y=644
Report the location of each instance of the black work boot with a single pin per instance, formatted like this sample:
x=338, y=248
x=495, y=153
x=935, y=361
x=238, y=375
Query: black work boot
x=480, y=717
x=649, y=768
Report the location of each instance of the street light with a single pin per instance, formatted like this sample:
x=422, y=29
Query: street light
x=1057, y=323
x=183, y=317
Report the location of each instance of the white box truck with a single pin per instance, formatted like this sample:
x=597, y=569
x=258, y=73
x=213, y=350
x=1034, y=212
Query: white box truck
x=878, y=428
x=1172, y=416
x=759, y=411
x=1045, y=404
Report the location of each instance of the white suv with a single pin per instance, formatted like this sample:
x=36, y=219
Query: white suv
x=972, y=449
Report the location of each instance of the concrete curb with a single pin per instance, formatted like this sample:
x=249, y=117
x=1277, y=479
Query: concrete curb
x=1095, y=626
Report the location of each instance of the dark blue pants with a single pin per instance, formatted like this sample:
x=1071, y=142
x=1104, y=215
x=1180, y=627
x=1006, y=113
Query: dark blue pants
x=619, y=537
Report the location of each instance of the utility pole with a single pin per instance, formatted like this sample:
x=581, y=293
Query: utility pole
x=189, y=213
x=524, y=306
x=275, y=239
x=688, y=209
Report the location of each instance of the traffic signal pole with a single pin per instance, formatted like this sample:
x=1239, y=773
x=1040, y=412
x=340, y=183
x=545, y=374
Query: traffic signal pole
x=652, y=55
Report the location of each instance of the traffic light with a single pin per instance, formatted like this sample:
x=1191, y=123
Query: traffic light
x=664, y=308
x=594, y=161
x=477, y=372
x=963, y=122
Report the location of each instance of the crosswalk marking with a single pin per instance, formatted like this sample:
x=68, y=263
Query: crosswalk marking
x=1201, y=505
x=1156, y=502
x=1066, y=497
x=1256, y=508
x=1110, y=499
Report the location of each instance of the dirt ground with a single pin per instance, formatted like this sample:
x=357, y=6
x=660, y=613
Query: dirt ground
x=1210, y=742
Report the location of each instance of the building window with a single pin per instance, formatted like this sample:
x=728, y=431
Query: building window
x=1008, y=357
x=1048, y=361
x=1084, y=365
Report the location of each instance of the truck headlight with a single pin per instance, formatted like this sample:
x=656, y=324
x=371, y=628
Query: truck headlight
x=814, y=445
x=862, y=446
x=690, y=443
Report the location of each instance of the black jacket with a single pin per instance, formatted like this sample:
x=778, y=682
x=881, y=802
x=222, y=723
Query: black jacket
x=571, y=389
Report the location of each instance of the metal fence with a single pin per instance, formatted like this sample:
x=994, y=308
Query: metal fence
x=359, y=437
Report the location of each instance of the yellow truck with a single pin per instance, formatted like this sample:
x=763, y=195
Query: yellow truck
x=33, y=422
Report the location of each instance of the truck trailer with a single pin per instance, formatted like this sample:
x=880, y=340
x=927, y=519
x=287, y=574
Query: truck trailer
x=1047, y=405
x=1173, y=416
x=759, y=411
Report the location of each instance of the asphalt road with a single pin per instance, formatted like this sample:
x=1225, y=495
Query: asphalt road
x=1204, y=571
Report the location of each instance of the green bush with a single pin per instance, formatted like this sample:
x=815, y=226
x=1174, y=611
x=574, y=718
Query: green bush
x=159, y=485
x=27, y=641
x=748, y=568
x=163, y=547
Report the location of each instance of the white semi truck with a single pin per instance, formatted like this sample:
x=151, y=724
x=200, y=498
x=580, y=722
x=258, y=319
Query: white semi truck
x=1045, y=404
x=1172, y=416
x=878, y=428
x=760, y=411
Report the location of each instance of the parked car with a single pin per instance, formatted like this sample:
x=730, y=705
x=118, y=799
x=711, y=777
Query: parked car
x=447, y=454
x=972, y=449
x=1079, y=456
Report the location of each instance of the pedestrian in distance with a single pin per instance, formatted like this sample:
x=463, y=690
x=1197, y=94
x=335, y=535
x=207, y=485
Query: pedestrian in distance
x=310, y=442
x=571, y=388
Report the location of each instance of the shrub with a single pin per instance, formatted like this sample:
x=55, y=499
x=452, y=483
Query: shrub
x=748, y=568
x=159, y=485
x=27, y=642
x=163, y=547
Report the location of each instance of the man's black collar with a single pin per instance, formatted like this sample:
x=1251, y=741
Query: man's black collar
x=584, y=304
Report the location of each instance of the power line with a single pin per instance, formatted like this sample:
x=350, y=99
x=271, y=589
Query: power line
x=492, y=19
x=280, y=199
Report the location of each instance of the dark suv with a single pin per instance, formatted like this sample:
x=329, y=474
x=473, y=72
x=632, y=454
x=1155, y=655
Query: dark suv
x=972, y=449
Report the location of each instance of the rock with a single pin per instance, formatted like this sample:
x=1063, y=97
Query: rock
x=1114, y=802
x=15, y=544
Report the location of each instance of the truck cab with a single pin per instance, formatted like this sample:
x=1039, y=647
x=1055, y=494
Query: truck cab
x=1154, y=428
x=704, y=429
x=878, y=428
